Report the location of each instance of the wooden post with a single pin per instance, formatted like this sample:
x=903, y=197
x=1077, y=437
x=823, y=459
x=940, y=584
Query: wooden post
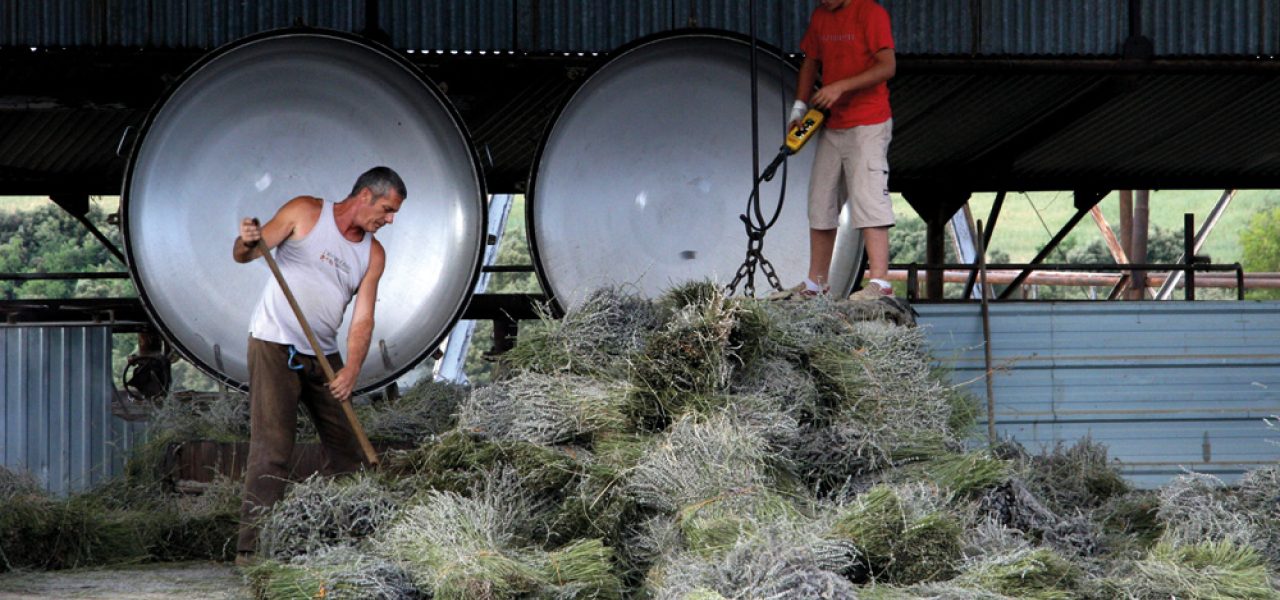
x=1126, y=234
x=1126, y=221
x=986, y=338
x=1138, y=252
x=1118, y=252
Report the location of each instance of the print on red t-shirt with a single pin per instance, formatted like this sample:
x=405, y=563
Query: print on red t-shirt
x=844, y=42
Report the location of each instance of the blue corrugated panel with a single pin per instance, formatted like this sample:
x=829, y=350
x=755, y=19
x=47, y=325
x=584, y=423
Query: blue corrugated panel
x=449, y=24
x=199, y=24
x=28, y=23
x=1166, y=386
x=1208, y=27
x=931, y=26
x=56, y=418
x=597, y=26
x=203, y=24
x=780, y=23
x=1052, y=27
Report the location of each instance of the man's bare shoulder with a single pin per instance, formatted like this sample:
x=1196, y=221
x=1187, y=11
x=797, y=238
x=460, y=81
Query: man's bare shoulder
x=303, y=204
x=299, y=215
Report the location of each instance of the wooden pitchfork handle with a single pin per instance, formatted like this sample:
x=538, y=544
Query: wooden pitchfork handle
x=369, y=453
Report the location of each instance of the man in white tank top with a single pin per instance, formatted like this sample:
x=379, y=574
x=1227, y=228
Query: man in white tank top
x=327, y=254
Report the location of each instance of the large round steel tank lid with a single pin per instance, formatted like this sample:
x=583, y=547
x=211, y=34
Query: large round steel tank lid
x=286, y=114
x=645, y=171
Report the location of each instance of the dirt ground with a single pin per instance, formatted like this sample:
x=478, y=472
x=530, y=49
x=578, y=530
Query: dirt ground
x=161, y=581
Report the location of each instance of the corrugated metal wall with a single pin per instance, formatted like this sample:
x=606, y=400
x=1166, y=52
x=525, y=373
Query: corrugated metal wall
x=934, y=27
x=1209, y=27
x=1053, y=26
x=547, y=26
x=1166, y=386
x=163, y=23
x=941, y=27
x=590, y=27
x=450, y=25
x=56, y=419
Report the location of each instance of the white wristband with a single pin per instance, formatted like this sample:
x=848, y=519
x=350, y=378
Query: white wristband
x=798, y=110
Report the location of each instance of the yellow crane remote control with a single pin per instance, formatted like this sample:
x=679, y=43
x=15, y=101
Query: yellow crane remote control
x=796, y=139
x=800, y=134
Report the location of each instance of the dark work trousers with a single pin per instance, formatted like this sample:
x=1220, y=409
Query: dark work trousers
x=274, y=392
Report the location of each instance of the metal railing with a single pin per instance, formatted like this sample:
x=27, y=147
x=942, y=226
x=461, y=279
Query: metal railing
x=1188, y=269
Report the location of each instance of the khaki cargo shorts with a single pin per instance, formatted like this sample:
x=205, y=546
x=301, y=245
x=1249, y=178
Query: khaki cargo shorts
x=852, y=163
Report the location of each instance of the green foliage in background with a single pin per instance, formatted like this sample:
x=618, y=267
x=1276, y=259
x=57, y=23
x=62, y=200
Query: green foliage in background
x=1028, y=221
x=1260, y=243
x=48, y=240
x=513, y=249
x=1163, y=246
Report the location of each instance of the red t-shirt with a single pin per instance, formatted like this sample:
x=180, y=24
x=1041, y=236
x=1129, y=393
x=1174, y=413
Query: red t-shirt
x=844, y=42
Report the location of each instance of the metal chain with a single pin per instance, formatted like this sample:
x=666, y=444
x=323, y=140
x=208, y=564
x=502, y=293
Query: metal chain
x=755, y=233
x=754, y=259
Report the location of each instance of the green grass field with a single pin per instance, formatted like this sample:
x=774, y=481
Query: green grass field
x=1021, y=233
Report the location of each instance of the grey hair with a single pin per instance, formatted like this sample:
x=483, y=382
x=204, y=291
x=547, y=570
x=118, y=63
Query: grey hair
x=380, y=181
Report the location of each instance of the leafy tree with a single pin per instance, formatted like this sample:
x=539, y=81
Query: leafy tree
x=1260, y=242
x=907, y=242
x=1163, y=246
x=49, y=240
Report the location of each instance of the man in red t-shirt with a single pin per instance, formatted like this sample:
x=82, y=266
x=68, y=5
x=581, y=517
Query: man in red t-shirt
x=850, y=44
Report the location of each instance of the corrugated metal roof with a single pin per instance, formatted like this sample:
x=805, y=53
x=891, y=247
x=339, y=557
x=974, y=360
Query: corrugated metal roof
x=941, y=121
x=56, y=418
x=1177, y=125
x=932, y=27
x=73, y=149
x=1165, y=385
x=1053, y=129
x=507, y=145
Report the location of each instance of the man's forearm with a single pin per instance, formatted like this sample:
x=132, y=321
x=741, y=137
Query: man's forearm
x=358, y=340
x=808, y=76
x=242, y=252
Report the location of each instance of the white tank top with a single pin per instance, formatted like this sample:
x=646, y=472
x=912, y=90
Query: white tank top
x=323, y=269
